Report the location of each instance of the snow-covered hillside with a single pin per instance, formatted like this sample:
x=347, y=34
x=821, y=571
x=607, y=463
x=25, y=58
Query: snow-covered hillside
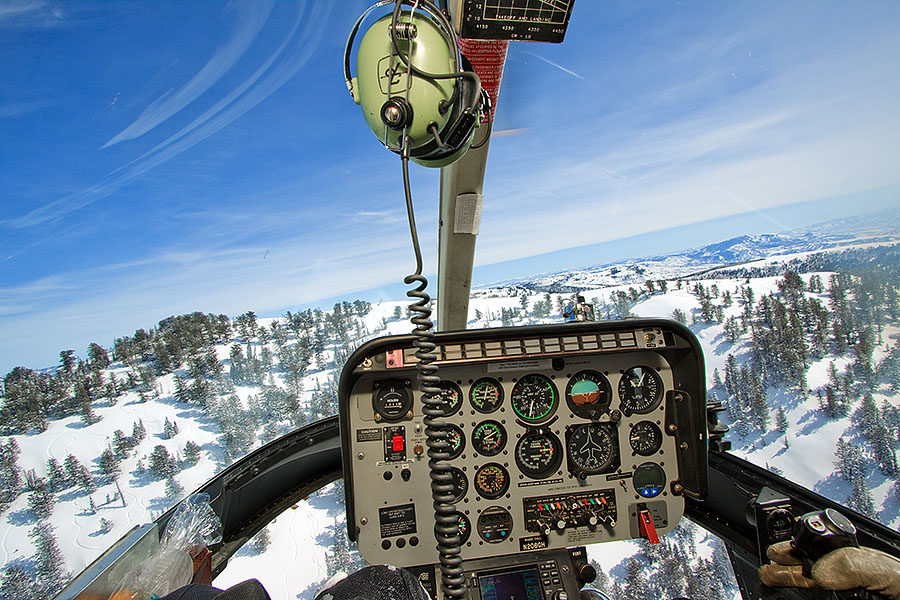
x=262, y=377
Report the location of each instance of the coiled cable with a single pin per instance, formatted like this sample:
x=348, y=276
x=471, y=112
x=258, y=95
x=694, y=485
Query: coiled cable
x=446, y=523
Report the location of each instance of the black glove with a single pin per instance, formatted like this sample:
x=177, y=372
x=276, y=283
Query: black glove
x=842, y=569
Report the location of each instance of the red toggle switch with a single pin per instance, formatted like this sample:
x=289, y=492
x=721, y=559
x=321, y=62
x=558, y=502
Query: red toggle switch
x=398, y=443
x=648, y=530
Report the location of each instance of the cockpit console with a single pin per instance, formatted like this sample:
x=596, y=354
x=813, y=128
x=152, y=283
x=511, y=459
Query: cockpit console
x=560, y=436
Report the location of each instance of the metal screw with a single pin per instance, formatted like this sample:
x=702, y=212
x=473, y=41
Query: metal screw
x=673, y=427
x=361, y=455
x=364, y=521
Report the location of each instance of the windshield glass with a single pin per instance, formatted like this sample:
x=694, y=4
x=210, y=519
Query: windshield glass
x=197, y=228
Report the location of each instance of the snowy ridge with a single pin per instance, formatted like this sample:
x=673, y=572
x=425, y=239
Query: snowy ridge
x=839, y=233
x=799, y=440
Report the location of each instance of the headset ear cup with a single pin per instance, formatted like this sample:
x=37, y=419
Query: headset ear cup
x=458, y=130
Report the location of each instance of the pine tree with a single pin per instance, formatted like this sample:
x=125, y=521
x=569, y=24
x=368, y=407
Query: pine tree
x=56, y=476
x=174, y=490
x=105, y=525
x=41, y=500
x=861, y=499
x=51, y=567
x=781, y=422
x=191, y=452
x=97, y=356
x=261, y=541
x=139, y=432
x=635, y=585
x=162, y=464
x=109, y=464
x=10, y=478
x=16, y=584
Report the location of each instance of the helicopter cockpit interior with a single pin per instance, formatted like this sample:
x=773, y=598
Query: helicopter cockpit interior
x=484, y=461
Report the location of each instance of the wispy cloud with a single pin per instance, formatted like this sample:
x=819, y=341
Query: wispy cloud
x=252, y=17
x=288, y=59
x=11, y=9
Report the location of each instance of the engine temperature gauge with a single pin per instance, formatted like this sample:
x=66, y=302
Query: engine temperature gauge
x=457, y=440
x=450, y=397
x=486, y=395
x=488, y=438
x=491, y=481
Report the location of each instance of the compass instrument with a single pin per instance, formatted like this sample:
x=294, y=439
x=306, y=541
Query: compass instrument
x=592, y=449
x=534, y=398
x=488, y=438
x=588, y=394
x=640, y=390
x=486, y=395
x=538, y=454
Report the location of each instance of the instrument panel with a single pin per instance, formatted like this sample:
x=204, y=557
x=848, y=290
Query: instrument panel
x=558, y=435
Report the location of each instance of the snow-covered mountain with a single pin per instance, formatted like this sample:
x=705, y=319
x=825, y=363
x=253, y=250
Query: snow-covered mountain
x=839, y=233
x=305, y=538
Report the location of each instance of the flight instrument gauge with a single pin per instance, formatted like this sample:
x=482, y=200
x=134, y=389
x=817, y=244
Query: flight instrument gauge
x=391, y=400
x=450, y=396
x=460, y=484
x=640, y=390
x=588, y=394
x=486, y=395
x=592, y=449
x=491, y=481
x=538, y=454
x=534, y=398
x=465, y=527
x=645, y=438
x=649, y=480
x=494, y=524
x=488, y=438
x=457, y=440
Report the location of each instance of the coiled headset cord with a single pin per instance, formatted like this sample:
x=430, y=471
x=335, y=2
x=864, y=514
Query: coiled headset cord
x=446, y=523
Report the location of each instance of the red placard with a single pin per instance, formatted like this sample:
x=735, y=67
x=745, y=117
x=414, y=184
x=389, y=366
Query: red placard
x=488, y=58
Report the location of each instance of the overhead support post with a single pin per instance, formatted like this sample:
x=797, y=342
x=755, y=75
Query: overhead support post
x=460, y=218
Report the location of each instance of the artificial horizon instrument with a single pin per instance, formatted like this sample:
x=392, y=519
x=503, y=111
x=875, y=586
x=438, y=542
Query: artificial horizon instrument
x=499, y=454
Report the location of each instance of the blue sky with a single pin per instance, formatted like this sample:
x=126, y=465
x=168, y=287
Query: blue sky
x=165, y=157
